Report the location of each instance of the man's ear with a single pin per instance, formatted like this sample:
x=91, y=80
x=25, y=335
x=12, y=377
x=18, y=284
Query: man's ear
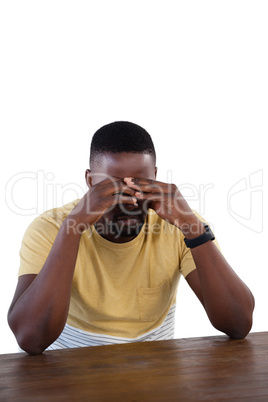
x=155, y=171
x=88, y=177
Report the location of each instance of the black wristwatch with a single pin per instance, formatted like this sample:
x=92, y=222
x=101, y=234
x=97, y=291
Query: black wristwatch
x=203, y=238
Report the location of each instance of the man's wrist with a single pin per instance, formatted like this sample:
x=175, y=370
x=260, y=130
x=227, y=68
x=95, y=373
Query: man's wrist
x=72, y=226
x=191, y=227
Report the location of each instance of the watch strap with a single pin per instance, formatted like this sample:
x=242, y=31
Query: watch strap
x=203, y=238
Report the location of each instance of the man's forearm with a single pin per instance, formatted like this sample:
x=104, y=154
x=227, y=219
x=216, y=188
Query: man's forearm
x=227, y=300
x=39, y=315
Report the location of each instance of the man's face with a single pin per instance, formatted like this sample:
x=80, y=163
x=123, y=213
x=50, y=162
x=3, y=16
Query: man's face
x=123, y=222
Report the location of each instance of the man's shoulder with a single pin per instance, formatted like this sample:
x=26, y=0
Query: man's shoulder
x=58, y=214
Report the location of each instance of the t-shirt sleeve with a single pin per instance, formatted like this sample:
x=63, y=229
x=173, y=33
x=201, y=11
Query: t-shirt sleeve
x=187, y=264
x=36, y=245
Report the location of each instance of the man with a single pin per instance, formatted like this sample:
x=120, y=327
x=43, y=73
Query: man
x=105, y=269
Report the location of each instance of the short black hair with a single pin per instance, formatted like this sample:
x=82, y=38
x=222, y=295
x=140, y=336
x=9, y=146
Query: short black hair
x=121, y=136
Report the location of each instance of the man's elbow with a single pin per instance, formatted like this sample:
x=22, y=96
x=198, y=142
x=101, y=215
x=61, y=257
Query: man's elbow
x=25, y=338
x=236, y=327
x=30, y=344
x=237, y=334
x=241, y=329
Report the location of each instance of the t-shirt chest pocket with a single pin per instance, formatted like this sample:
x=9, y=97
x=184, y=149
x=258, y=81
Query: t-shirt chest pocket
x=154, y=301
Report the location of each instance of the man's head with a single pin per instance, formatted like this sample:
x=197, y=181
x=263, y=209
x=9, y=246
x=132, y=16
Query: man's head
x=118, y=137
x=118, y=150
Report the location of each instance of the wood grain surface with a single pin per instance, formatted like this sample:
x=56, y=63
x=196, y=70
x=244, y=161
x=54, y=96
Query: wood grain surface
x=195, y=369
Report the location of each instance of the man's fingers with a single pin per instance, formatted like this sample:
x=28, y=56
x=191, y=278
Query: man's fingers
x=121, y=199
x=149, y=196
x=157, y=196
x=148, y=185
x=111, y=187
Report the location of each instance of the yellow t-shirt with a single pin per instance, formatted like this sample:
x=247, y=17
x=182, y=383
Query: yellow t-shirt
x=119, y=289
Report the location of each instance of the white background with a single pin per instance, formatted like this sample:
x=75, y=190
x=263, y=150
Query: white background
x=193, y=73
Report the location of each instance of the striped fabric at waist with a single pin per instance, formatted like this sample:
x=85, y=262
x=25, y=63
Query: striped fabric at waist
x=72, y=337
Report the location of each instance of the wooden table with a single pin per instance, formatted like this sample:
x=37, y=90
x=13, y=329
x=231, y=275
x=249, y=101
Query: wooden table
x=209, y=368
